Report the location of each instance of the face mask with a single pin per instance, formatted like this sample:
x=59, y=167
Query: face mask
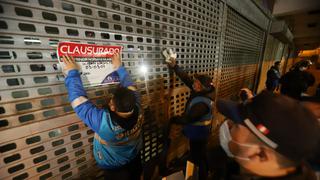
x=303, y=68
x=225, y=138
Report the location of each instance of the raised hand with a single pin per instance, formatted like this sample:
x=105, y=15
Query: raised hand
x=116, y=61
x=69, y=64
x=170, y=57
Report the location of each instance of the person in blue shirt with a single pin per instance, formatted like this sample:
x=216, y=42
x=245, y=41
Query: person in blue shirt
x=198, y=115
x=117, y=140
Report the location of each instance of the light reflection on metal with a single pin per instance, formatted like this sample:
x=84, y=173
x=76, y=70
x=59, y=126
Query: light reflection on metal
x=309, y=53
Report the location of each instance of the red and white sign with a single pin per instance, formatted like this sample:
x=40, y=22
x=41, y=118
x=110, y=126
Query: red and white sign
x=87, y=50
x=94, y=61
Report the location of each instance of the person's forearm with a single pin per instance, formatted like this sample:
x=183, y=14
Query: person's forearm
x=74, y=85
x=185, y=78
x=125, y=79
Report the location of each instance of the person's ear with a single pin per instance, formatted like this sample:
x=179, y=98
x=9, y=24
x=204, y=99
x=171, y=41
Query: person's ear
x=112, y=108
x=197, y=85
x=262, y=155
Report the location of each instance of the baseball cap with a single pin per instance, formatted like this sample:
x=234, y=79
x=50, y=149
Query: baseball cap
x=279, y=121
x=206, y=82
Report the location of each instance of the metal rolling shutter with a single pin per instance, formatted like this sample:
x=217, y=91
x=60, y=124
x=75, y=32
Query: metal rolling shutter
x=243, y=43
x=40, y=136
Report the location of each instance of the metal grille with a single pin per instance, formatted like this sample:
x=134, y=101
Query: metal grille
x=241, y=52
x=40, y=136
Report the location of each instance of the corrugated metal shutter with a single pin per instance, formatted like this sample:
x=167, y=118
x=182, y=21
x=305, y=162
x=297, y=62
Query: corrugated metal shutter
x=41, y=137
x=243, y=43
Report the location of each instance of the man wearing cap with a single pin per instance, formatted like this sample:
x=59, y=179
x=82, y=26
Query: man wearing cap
x=198, y=115
x=269, y=137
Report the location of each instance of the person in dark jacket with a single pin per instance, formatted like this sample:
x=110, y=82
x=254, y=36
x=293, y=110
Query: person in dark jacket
x=297, y=80
x=270, y=137
x=273, y=77
x=117, y=139
x=198, y=114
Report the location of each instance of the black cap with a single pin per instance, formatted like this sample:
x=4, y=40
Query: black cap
x=303, y=63
x=206, y=82
x=279, y=121
x=277, y=63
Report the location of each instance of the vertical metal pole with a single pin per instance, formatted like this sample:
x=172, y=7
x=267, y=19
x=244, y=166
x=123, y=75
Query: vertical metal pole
x=261, y=58
x=222, y=25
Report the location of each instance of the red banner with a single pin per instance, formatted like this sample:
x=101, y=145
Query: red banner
x=87, y=50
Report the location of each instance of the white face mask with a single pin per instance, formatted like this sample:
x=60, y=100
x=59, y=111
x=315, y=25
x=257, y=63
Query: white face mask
x=225, y=138
x=303, y=68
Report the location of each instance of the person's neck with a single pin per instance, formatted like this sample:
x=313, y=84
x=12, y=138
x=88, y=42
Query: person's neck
x=283, y=171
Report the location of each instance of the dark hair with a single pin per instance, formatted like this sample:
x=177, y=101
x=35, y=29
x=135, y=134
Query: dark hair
x=124, y=99
x=206, y=82
x=243, y=95
x=303, y=63
x=277, y=63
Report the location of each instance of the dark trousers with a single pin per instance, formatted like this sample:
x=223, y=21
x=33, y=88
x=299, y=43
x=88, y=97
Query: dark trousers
x=130, y=171
x=271, y=86
x=198, y=151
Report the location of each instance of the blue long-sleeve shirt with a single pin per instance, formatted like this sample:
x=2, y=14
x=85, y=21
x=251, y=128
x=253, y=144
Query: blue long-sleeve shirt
x=122, y=145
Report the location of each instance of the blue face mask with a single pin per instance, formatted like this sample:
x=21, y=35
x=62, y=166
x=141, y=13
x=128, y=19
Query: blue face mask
x=225, y=139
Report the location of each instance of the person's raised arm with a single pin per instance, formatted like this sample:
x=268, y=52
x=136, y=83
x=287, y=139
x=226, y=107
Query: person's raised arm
x=77, y=96
x=170, y=58
x=125, y=79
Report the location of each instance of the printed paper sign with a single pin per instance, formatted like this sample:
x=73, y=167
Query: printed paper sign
x=94, y=61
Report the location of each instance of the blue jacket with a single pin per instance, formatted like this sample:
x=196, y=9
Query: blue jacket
x=201, y=128
x=196, y=118
x=115, y=146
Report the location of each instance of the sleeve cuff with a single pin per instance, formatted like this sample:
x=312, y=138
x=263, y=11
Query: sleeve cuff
x=175, y=67
x=121, y=70
x=73, y=72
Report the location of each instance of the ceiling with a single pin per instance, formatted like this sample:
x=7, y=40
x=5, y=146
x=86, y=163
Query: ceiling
x=303, y=19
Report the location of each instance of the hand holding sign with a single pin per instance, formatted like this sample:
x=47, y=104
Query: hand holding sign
x=116, y=61
x=69, y=64
x=97, y=63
